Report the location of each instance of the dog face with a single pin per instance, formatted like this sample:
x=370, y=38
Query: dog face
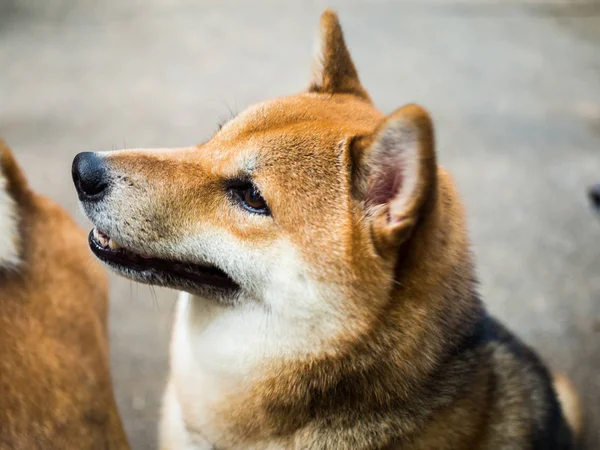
x=297, y=206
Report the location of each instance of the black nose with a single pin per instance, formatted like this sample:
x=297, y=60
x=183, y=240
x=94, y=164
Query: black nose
x=90, y=176
x=594, y=194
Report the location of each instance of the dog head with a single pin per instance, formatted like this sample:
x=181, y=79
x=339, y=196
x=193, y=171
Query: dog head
x=299, y=205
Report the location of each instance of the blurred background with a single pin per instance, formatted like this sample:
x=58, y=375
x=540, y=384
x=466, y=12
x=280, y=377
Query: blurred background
x=513, y=86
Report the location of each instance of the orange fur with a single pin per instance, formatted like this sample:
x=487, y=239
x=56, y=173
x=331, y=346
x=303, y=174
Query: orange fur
x=355, y=321
x=55, y=386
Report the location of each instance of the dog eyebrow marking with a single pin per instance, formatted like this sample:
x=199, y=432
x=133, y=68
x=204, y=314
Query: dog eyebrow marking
x=249, y=165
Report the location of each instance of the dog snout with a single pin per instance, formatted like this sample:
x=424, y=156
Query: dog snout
x=90, y=175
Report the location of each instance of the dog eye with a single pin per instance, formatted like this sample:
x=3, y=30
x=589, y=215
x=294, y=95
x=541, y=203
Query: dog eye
x=251, y=199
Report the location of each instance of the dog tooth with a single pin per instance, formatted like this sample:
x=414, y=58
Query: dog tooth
x=113, y=245
x=102, y=240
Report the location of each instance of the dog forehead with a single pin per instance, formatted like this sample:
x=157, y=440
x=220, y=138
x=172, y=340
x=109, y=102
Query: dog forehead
x=341, y=114
x=301, y=126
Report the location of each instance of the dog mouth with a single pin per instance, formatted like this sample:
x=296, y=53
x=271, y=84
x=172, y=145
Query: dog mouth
x=162, y=272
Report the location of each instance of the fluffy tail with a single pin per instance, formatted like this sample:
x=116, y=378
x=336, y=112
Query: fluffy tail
x=570, y=403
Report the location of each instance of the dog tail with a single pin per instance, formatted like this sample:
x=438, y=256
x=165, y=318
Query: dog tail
x=570, y=403
x=14, y=194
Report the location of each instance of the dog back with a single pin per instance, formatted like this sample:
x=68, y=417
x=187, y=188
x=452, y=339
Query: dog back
x=55, y=385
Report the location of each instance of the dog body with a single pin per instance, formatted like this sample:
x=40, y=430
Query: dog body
x=55, y=387
x=330, y=293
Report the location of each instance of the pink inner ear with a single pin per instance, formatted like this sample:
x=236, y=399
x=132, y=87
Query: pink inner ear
x=385, y=187
x=388, y=165
x=387, y=176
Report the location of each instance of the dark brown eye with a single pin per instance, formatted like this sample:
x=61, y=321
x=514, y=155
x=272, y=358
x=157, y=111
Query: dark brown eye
x=253, y=199
x=250, y=198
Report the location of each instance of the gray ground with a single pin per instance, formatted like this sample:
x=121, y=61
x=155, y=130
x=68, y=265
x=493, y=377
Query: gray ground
x=514, y=88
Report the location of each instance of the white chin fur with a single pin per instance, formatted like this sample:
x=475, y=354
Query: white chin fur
x=9, y=228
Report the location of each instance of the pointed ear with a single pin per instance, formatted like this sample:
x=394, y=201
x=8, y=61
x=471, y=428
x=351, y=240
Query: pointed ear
x=13, y=194
x=395, y=174
x=11, y=176
x=333, y=69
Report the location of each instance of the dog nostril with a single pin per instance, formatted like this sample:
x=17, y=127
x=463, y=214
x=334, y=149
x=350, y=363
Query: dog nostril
x=89, y=175
x=594, y=194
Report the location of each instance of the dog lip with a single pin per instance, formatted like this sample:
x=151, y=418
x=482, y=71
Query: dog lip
x=203, y=275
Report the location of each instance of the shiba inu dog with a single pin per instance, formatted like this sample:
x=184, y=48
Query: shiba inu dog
x=329, y=299
x=55, y=386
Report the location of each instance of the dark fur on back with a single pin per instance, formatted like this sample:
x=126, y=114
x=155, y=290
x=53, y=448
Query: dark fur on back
x=521, y=376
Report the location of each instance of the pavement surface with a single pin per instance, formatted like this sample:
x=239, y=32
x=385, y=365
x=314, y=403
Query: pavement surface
x=513, y=86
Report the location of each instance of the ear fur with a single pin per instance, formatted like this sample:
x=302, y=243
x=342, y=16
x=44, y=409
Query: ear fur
x=395, y=174
x=13, y=192
x=333, y=69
